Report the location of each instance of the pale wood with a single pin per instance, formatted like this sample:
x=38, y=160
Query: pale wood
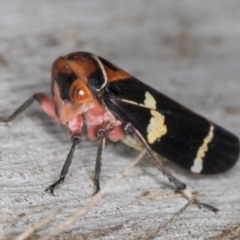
x=189, y=50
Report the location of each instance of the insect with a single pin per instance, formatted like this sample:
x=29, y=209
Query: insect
x=87, y=89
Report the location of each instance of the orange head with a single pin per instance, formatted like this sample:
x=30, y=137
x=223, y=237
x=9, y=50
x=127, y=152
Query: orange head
x=76, y=79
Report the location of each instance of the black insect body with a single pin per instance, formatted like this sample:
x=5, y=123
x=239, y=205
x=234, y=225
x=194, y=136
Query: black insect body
x=87, y=89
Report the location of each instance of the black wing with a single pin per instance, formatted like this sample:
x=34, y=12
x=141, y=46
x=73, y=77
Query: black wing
x=186, y=139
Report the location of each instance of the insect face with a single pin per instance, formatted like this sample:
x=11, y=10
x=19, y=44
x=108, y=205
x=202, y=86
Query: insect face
x=71, y=95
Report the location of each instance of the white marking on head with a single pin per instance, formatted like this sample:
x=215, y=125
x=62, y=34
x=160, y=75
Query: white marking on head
x=103, y=71
x=198, y=161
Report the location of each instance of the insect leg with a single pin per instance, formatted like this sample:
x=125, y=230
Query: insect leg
x=76, y=139
x=46, y=103
x=129, y=129
x=101, y=134
x=187, y=194
x=180, y=186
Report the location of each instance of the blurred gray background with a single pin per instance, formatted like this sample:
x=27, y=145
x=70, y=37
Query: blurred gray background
x=188, y=50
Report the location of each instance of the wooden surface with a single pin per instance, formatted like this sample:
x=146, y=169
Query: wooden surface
x=189, y=50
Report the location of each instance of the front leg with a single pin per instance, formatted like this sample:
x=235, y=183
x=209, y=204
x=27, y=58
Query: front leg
x=45, y=102
x=75, y=127
x=76, y=139
x=101, y=134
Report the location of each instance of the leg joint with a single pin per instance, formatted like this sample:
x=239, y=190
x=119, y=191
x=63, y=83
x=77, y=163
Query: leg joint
x=101, y=133
x=76, y=139
x=38, y=96
x=128, y=128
